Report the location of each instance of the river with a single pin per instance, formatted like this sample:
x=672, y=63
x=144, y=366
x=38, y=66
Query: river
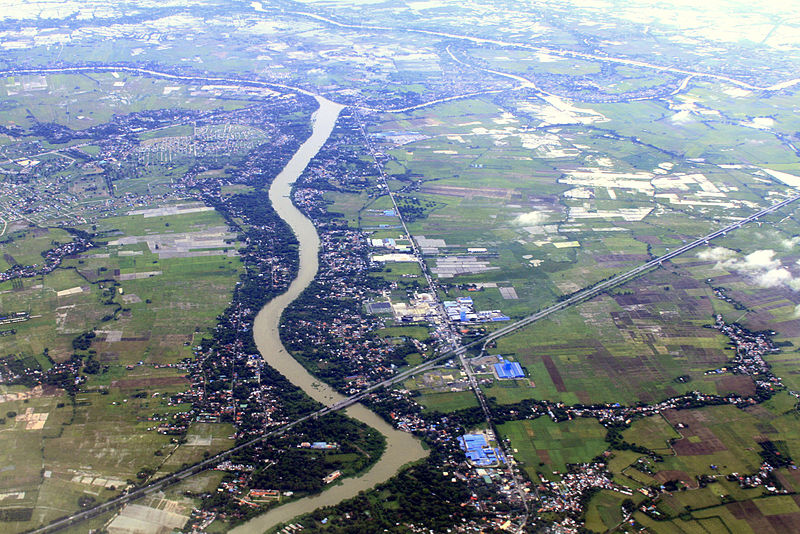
x=401, y=447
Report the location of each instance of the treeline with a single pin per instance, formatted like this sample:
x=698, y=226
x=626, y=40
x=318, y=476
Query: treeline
x=279, y=464
x=269, y=242
x=316, y=348
x=421, y=496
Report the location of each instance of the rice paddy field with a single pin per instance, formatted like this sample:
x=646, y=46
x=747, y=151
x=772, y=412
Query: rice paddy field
x=771, y=515
x=545, y=449
x=144, y=302
x=148, y=307
x=557, y=209
x=107, y=431
x=556, y=172
x=715, y=441
x=544, y=209
x=648, y=341
x=83, y=100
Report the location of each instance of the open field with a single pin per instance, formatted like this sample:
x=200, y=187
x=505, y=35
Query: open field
x=544, y=447
x=420, y=333
x=766, y=515
x=555, y=211
x=633, y=345
x=448, y=401
x=654, y=433
x=720, y=435
x=604, y=510
x=108, y=431
x=713, y=441
x=143, y=306
x=25, y=247
x=81, y=101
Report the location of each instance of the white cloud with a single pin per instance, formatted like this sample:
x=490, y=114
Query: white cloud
x=761, y=266
x=760, y=260
x=532, y=218
x=790, y=243
x=682, y=117
x=774, y=277
x=716, y=254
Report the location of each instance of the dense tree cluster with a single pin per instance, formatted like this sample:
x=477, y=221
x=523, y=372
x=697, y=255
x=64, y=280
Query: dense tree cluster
x=421, y=496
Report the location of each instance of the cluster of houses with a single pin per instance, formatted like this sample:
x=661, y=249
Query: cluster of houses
x=52, y=259
x=566, y=495
x=750, y=351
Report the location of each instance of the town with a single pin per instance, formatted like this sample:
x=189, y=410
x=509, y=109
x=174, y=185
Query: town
x=422, y=267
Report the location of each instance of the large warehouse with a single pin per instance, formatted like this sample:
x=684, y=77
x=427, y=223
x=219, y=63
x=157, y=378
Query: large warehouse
x=506, y=369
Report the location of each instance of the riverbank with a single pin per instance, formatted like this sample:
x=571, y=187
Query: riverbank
x=401, y=447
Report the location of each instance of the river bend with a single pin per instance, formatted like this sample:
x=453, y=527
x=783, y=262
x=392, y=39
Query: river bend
x=401, y=447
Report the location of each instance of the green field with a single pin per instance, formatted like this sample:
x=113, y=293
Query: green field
x=155, y=315
x=420, y=333
x=627, y=347
x=761, y=515
x=544, y=447
x=154, y=320
x=448, y=402
x=25, y=247
x=102, y=430
x=604, y=511
x=724, y=436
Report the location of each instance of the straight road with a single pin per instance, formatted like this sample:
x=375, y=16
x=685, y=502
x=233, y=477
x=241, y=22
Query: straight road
x=633, y=273
x=581, y=296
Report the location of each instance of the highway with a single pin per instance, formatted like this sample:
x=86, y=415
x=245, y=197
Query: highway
x=576, y=298
x=633, y=273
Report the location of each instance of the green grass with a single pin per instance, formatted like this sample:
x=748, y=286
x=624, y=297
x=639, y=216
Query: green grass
x=165, y=310
x=604, y=511
x=449, y=401
x=137, y=225
x=510, y=391
x=722, y=518
x=736, y=434
x=651, y=432
x=55, y=320
x=542, y=446
x=26, y=246
x=110, y=433
x=399, y=271
x=201, y=439
x=605, y=351
x=420, y=333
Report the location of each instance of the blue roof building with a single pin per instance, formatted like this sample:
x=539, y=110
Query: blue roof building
x=506, y=369
x=478, y=451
